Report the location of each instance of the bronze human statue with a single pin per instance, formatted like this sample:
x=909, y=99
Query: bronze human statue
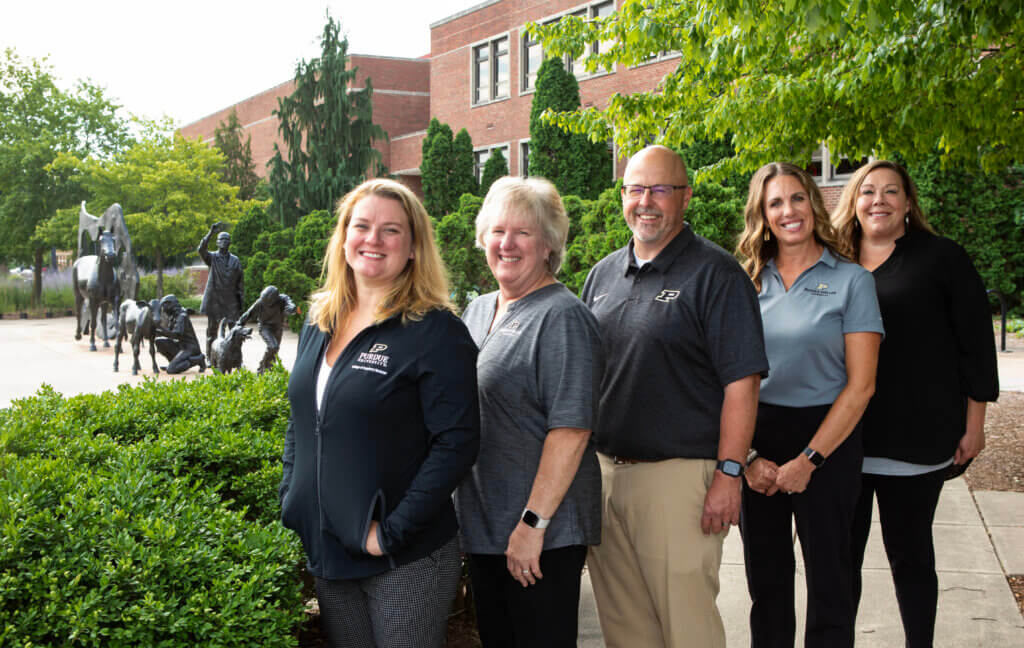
x=223, y=295
x=176, y=339
x=270, y=310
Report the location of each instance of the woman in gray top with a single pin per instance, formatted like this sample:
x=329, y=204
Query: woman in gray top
x=532, y=502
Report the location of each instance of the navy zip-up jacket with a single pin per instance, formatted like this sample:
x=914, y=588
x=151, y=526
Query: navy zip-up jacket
x=398, y=430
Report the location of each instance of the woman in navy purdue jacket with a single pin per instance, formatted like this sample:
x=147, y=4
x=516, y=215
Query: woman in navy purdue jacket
x=384, y=425
x=936, y=371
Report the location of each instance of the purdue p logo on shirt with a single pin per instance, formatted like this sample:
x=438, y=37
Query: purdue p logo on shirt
x=667, y=295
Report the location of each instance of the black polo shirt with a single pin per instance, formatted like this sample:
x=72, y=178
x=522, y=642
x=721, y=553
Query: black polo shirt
x=675, y=332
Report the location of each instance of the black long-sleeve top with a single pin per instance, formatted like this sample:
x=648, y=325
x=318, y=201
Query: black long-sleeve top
x=938, y=350
x=398, y=430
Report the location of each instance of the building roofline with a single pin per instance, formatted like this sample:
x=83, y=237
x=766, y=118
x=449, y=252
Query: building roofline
x=422, y=59
x=414, y=59
x=464, y=12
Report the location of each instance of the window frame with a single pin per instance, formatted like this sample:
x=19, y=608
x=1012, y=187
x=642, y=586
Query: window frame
x=828, y=176
x=478, y=164
x=586, y=11
x=490, y=62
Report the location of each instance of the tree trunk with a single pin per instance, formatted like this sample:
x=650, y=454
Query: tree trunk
x=159, y=274
x=37, y=278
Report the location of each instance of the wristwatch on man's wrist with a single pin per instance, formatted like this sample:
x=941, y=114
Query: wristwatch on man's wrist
x=531, y=519
x=730, y=468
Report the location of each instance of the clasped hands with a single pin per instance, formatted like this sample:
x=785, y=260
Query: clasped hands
x=766, y=477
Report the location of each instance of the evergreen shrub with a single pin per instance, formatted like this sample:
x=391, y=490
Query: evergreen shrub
x=148, y=517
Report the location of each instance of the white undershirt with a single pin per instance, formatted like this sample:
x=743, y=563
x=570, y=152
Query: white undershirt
x=639, y=262
x=321, y=381
x=897, y=468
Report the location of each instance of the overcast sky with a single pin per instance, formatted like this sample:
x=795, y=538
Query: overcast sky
x=190, y=58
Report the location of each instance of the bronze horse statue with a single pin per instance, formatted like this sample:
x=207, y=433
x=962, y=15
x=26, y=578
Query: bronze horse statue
x=95, y=277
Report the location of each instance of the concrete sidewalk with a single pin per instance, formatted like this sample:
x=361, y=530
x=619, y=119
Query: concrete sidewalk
x=979, y=541
x=979, y=536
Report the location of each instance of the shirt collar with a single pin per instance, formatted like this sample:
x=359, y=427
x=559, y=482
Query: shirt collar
x=826, y=257
x=666, y=257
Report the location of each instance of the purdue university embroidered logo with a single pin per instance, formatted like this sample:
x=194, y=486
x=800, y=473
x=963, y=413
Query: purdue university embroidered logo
x=377, y=348
x=667, y=295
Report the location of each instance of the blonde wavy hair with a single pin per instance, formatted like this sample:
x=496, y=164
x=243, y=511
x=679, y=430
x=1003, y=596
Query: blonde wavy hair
x=422, y=285
x=844, y=217
x=753, y=248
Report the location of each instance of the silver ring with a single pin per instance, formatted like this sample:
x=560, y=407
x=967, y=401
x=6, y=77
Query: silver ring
x=526, y=571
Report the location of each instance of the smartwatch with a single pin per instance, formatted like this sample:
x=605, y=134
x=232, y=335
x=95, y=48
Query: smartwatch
x=730, y=467
x=816, y=457
x=531, y=519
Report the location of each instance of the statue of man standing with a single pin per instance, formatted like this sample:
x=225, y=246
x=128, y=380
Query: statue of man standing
x=223, y=295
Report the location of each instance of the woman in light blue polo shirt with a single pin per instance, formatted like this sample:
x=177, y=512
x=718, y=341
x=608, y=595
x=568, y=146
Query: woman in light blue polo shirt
x=822, y=330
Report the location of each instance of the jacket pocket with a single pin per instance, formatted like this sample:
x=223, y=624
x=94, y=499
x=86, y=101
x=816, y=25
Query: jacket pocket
x=351, y=524
x=377, y=510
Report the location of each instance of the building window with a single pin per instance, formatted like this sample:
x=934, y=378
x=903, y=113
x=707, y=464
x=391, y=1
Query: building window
x=832, y=169
x=490, y=70
x=593, y=12
x=481, y=156
x=532, y=57
x=531, y=53
x=524, y=159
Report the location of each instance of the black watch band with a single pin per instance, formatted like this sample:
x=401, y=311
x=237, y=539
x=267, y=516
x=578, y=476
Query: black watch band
x=729, y=467
x=816, y=457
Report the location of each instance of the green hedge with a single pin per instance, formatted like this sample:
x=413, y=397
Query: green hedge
x=148, y=517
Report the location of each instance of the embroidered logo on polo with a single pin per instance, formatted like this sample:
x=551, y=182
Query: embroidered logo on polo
x=373, y=360
x=667, y=296
x=512, y=328
x=821, y=290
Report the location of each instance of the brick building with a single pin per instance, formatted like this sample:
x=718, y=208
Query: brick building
x=479, y=75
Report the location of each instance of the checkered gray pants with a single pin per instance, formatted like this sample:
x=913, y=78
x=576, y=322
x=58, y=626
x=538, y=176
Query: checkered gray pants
x=405, y=607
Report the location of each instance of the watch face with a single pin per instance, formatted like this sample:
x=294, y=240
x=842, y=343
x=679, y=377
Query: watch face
x=730, y=467
x=530, y=518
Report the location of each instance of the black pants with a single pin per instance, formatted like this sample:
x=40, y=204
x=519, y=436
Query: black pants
x=543, y=615
x=906, y=510
x=823, y=513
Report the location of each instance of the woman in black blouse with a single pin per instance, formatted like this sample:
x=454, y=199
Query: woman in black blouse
x=936, y=371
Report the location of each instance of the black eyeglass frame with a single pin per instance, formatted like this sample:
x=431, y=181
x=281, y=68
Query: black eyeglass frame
x=646, y=188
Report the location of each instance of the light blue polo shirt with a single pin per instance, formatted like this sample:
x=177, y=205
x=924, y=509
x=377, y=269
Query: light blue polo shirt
x=804, y=328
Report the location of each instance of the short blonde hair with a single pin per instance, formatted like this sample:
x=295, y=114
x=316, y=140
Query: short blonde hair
x=422, y=285
x=753, y=248
x=844, y=217
x=537, y=199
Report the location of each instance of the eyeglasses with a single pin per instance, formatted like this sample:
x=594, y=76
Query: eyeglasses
x=657, y=191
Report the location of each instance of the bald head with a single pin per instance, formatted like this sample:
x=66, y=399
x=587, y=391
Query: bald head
x=661, y=159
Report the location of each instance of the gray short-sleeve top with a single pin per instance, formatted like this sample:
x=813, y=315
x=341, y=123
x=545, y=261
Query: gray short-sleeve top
x=539, y=369
x=804, y=328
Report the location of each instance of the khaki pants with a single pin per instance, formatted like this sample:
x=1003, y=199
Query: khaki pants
x=655, y=575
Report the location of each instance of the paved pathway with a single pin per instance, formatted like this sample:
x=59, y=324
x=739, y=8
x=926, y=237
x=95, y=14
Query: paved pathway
x=979, y=536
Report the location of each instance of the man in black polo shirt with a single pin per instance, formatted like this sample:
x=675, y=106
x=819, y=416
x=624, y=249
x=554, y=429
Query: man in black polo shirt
x=684, y=355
